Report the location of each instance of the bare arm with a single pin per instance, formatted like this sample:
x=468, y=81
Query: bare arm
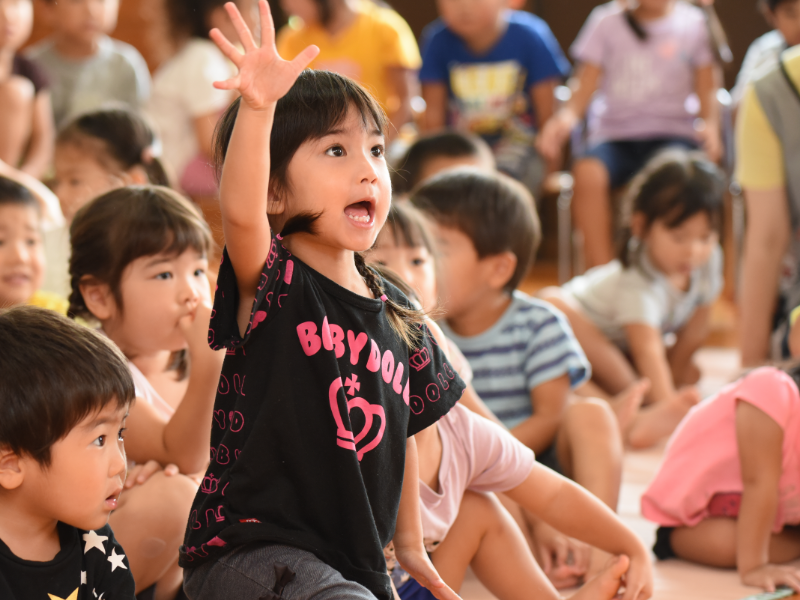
x=766, y=241
x=549, y=403
x=556, y=131
x=39, y=155
x=760, y=441
x=435, y=96
x=690, y=338
x=404, y=84
x=650, y=359
x=706, y=89
x=263, y=78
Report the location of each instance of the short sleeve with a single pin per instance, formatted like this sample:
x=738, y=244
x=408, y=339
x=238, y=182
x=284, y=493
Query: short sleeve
x=434, y=58
x=637, y=300
x=501, y=461
x=589, y=46
x=399, y=46
x=434, y=386
x=554, y=351
x=545, y=59
x=760, y=164
x=107, y=563
x=276, y=279
x=205, y=65
x=771, y=390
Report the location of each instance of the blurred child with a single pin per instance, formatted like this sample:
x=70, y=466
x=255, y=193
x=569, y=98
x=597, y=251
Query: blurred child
x=464, y=455
x=668, y=274
x=763, y=53
x=522, y=351
x=369, y=43
x=314, y=464
x=64, y=395
x=436, y=152
x=87, y=68
x=138, y=267
x=726, y=493
x=97, y=152
x=492, y=71
x=26, y=113
x=185, y=106
x=646, y=63
x=22, y=261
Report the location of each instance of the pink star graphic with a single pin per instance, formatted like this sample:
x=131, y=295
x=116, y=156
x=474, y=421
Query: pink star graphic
x=353, y=385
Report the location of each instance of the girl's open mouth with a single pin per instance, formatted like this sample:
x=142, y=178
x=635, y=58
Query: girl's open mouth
x=361, y=212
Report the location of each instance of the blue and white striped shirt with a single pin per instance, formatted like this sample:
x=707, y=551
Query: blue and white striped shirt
x=531, y=344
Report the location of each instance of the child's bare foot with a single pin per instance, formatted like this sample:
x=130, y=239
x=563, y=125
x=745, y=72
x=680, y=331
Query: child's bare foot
x=606, y=584
x=655, y=422
x=626, y=404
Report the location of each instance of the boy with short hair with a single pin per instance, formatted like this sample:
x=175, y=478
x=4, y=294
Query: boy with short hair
x=86, y=67
x=64, y=396
x=522, y=351
x=492, y=71
x=22, y=261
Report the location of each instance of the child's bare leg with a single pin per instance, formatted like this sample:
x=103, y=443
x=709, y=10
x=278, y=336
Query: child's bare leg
x=712, y=542
x=658, y=420
x=606, y=584
x=610, y=369
x=150, y=525
x=485, y=536
x=591, y=210
x=16, y=117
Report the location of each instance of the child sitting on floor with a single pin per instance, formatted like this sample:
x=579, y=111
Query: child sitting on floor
x=86, y=67
x=26, y=113
x=64, y=396
x=524, y=356
x=668, y=274
x=726, y=493
x=22, y=261
x=465, y=456
x=436, y=152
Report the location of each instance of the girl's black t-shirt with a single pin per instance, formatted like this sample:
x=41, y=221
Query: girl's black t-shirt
x=90, y=565
x=313, y=410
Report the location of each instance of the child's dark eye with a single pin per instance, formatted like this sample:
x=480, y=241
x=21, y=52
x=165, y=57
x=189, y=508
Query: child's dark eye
x=418, y=262
x=378, y=151
x=32, y=241
x=337, y=151
x=120, y=437
x=101, y=441
x=199, y=272
x=164, y=276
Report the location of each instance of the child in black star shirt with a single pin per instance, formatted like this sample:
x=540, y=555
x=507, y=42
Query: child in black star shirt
x=64, y=396
x=330, y=371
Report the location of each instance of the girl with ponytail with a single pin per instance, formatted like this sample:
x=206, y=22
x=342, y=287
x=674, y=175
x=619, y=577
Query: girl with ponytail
x=329, y=369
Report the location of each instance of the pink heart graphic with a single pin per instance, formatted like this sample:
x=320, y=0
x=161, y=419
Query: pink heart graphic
x=259, y=316
x=345, y=436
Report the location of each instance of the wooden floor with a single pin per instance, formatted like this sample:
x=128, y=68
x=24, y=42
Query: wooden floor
x=674, y=579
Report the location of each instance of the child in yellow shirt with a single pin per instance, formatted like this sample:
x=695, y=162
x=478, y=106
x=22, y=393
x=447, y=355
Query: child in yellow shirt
x=361, y=40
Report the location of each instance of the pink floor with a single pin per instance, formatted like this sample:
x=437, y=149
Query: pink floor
x=674, y=579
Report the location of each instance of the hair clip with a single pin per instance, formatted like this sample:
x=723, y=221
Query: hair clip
x=383, y=298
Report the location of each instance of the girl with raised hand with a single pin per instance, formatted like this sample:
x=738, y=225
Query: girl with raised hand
x=329, y=370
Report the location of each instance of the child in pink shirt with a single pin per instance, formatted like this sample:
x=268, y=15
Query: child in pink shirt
x=728, y=491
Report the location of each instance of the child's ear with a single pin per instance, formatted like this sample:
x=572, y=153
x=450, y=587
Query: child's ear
x=638, y=225
x=501, y=269
x=98, y=298
x=12, y=471
x=136, y=175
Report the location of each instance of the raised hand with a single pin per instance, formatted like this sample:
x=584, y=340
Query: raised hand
x=264, y=77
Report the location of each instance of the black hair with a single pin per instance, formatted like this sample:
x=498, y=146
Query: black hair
x=315, y=105
x=409, y=227
x=53, y=374
x=190, y=17
x=674, y=185
x=119, y=134
x=494, y=211
x=771, y=5
x=12, y=192
x=452, y=144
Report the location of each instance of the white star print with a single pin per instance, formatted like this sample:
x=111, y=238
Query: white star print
x=116, y=560
x=83, y=577
x=94, y=541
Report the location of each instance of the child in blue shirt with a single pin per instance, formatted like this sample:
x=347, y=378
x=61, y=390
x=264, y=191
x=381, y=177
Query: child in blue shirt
x=492, y=72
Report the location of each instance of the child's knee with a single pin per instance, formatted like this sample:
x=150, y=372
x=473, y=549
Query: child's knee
x=592, y=415
x=590, y=171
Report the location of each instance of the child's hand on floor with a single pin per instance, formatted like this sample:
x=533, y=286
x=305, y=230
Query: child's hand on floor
x=416, y=563
x=139, y=474
x=264, y=77
x=768, y=577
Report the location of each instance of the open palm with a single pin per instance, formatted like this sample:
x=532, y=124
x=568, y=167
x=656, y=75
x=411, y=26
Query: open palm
x=264, y=77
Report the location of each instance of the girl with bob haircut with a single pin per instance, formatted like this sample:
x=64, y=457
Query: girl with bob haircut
x=329, y=369
x=138, y=267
